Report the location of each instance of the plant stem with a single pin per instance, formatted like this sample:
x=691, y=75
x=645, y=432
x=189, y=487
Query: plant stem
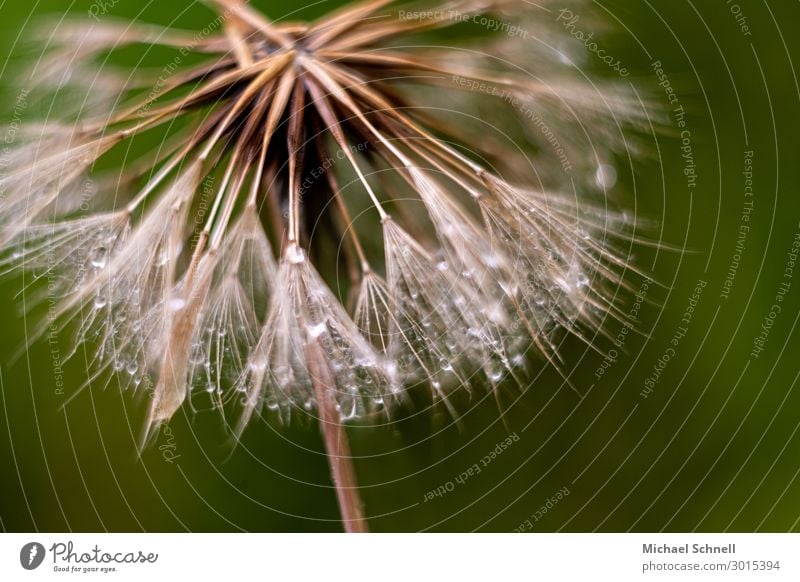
x=336, y=444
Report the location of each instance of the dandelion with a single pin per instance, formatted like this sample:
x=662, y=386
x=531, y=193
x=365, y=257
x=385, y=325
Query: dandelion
x=205, y=266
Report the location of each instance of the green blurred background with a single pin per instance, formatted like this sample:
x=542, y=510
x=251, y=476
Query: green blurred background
x=714, y=446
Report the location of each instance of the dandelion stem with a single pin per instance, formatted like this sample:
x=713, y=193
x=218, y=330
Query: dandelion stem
x=337, y=445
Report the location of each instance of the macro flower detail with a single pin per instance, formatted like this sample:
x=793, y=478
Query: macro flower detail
x=312, y=232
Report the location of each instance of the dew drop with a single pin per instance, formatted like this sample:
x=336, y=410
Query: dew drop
x=606, y=176
x=314, y=331
x=257, y=366
x=295, y=255
x=176, y=304
x=163, y=258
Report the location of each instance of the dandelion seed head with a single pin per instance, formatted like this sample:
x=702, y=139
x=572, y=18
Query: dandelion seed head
x=207, y=266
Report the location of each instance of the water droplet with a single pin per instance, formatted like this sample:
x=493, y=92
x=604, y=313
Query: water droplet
x=99, y=258
x=606, y=176
x=163, y=258
x=314, y=331
x=492, y=261
x=257, y=366
x=294, y=254
x=176, y=304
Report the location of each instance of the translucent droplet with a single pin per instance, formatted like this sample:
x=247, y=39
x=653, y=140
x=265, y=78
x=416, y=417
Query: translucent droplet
x=257, y=366
x=606, y=176
x=163, y=258
x=314, y=331
x=176, y=304
x=294, y=254
x=99, y=258
x=492, y=261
